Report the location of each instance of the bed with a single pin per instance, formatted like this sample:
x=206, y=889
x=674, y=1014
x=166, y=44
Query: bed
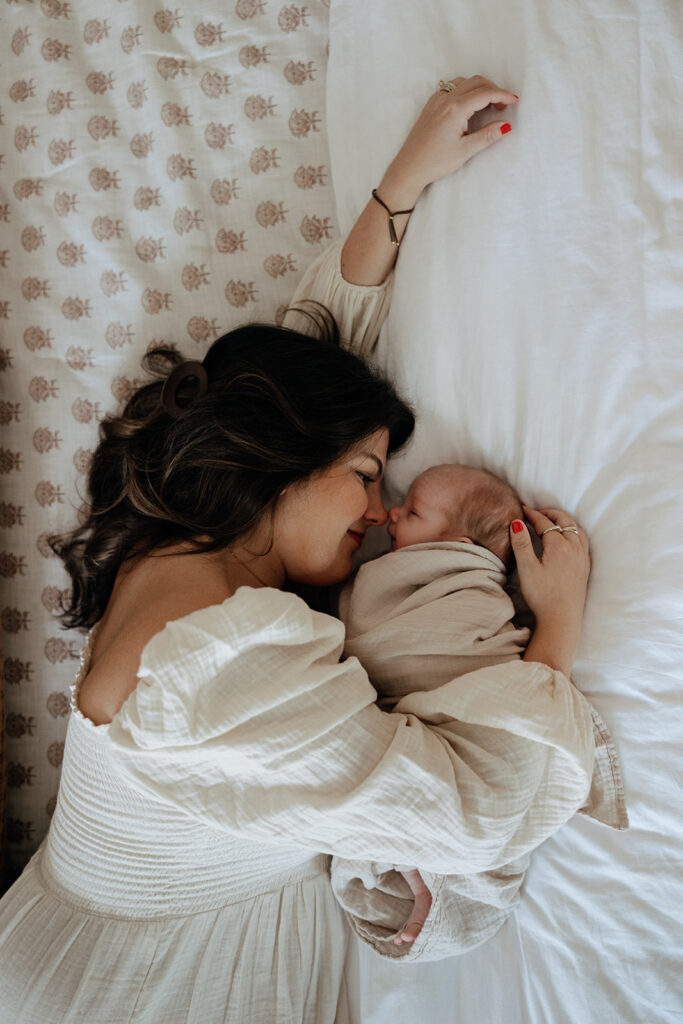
x=536, y=326
x=170, y=172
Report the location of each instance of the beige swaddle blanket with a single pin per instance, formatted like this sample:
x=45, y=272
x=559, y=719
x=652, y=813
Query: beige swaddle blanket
x=417, y=618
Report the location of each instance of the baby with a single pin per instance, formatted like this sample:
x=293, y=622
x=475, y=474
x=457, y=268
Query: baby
x=435, y=606
x=431, y=610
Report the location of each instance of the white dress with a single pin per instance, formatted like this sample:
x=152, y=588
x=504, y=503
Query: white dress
x=185, y=875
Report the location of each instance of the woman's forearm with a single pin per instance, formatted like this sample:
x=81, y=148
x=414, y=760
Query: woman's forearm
x=369, y=254
x=555, y=643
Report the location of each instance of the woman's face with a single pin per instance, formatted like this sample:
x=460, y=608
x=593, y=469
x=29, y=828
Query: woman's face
x=320, y=522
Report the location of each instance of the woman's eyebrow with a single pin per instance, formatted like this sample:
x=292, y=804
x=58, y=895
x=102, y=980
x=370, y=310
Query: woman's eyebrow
x=380, y=464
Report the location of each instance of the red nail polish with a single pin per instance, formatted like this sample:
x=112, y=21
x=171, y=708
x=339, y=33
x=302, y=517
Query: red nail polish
x=515, y=95
x=505, y=129
x=517, y=526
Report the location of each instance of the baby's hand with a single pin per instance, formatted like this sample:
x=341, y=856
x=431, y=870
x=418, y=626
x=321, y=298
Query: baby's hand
x=421, y=907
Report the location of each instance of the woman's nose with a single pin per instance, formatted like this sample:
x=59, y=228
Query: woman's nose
x=376, y=513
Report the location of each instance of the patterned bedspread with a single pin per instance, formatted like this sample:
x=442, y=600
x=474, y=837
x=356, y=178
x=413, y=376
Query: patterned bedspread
x=165, y=176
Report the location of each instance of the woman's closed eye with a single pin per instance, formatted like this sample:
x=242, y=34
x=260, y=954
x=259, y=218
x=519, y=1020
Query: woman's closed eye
x=365, y=478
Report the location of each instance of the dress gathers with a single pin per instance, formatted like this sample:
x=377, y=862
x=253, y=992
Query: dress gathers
x=133, y=911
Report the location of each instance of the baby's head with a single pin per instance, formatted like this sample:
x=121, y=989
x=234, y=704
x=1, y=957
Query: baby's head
x=457, y=503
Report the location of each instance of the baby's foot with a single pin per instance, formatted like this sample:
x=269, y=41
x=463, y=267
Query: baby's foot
x=408, y=933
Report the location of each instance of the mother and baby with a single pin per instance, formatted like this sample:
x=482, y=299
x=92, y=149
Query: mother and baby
x=226, y=740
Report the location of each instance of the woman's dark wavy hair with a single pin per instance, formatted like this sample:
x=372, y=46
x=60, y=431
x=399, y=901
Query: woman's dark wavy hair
x=279, y=406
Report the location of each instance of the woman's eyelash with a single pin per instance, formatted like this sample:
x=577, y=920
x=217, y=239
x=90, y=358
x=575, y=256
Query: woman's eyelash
x=365, y=478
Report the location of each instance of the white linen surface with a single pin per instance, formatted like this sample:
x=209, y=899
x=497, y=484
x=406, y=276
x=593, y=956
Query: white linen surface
x=534, y=326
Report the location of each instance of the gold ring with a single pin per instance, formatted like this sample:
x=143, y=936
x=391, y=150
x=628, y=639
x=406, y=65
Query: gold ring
x=550, y=529
x=445, y=86
x=570, y=529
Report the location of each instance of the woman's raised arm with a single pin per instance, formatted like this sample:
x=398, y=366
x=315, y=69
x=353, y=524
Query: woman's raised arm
x=437, y=145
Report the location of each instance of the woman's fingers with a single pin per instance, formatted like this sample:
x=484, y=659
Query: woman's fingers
x=480, y=98
x=478, y=88
x=525, y=556
x=558, y=515
x=542, y=519
x=473, y=82
x=554, y=516
x=562, y=518
x=439, y=142
x=538, y=519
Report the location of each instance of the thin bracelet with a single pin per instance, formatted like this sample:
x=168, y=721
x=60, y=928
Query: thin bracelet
x=396, y=213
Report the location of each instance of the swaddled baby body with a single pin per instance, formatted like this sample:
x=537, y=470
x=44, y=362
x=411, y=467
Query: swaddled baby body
x=428, y=612
x=455, y=521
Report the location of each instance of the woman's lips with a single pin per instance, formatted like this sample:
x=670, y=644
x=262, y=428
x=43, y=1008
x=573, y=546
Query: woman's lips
x=358, y=537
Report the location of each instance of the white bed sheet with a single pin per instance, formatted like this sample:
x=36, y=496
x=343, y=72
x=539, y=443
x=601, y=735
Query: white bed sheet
x=536, y=327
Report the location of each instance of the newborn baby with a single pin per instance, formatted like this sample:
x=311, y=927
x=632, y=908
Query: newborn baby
x=435, y=607
x=428, y=612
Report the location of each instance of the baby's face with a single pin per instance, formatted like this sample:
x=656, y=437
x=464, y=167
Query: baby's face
x=423, y=516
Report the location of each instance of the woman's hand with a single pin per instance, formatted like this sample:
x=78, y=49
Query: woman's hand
x=554, y=585
x=421, y=907
x=439, y=143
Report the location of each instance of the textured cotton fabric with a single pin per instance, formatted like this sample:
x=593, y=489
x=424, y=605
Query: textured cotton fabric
x=417, y=618
x=182, y=877
x=360, y=310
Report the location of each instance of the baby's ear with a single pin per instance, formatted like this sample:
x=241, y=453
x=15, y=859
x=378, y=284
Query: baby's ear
x=464, y=540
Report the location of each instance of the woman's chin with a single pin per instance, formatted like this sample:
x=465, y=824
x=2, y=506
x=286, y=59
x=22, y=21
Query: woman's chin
x=327, y=577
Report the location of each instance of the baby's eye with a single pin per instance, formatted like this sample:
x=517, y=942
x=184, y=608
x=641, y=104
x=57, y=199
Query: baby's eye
x=412, y=513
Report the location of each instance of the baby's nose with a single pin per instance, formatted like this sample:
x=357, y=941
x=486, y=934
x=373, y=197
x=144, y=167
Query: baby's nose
x=394, y=513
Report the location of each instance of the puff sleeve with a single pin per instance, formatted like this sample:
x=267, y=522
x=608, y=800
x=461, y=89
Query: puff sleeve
x=245, y=718
x=360, y=310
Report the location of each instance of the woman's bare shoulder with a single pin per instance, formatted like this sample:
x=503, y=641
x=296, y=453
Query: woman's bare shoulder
x=155, y=591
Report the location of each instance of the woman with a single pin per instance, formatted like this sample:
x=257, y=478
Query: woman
x=218, y=751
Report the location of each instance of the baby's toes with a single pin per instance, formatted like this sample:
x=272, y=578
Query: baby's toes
x=408, y=934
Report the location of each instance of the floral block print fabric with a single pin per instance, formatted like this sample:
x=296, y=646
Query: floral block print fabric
x=164, y=177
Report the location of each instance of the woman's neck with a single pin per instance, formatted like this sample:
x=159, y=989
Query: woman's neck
x=264, y=569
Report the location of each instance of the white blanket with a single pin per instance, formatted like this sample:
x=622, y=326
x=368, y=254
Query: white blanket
x=417, y=618
x=536, y=323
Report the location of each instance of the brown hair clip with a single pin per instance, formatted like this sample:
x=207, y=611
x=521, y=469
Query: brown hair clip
x=169, y=391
